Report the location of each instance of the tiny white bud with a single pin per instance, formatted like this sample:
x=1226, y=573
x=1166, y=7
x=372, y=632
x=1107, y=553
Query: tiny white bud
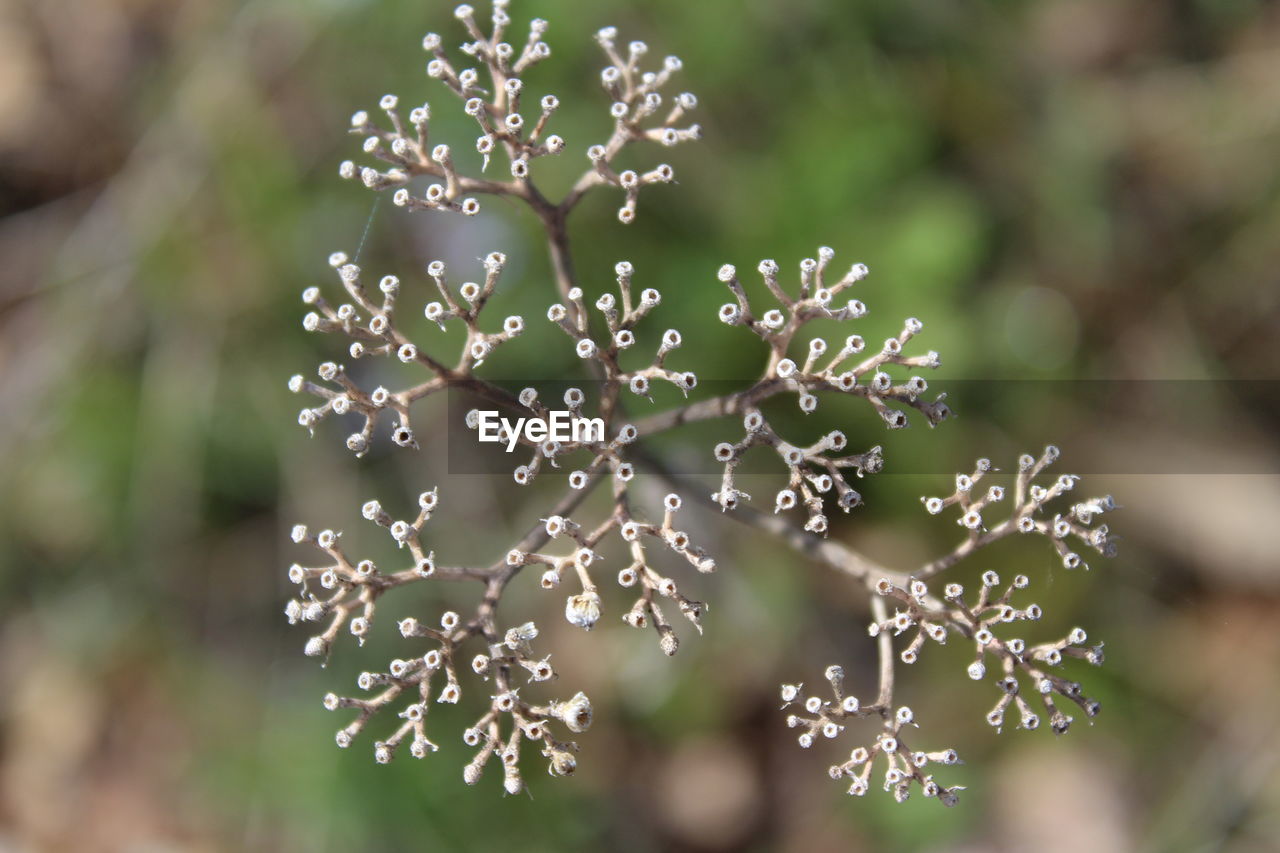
x=583, y=610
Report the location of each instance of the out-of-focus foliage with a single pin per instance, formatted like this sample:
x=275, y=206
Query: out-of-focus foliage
x=1059, y=190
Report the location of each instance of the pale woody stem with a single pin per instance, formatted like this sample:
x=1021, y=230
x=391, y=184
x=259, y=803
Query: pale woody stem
x=884, y=647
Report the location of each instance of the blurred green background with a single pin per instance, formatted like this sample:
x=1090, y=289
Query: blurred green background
x=1059, y=190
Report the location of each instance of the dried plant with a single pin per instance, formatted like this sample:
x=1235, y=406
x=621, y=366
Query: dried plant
x=343, y=593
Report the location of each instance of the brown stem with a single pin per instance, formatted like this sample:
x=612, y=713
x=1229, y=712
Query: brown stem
x=554, y=222
x=716, y=407
x=500, y=572
x=834, y=555
x=884, y=647
x=589, y=179
x=964, y=549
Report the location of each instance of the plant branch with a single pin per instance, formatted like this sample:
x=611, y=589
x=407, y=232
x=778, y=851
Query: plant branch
x=884, y=647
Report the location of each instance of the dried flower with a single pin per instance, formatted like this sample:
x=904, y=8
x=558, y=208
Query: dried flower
x=343, y=595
